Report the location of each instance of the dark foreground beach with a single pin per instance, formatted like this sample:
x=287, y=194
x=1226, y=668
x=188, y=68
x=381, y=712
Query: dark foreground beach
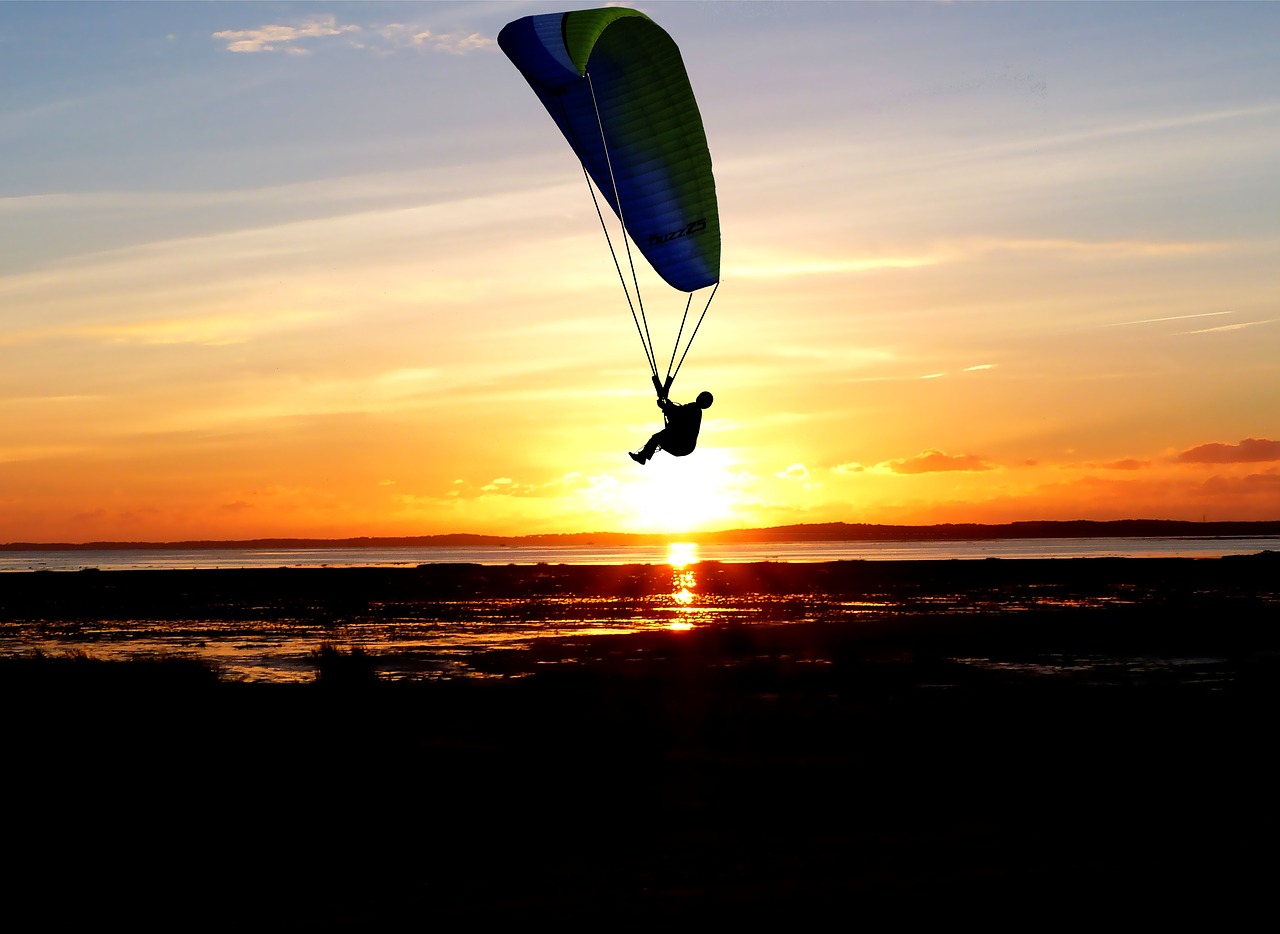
x=1016, y=742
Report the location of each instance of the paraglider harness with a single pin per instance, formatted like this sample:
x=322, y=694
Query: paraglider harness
x=663, y=389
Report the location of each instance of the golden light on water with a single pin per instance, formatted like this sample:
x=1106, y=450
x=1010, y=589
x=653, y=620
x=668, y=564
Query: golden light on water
x=682, y=556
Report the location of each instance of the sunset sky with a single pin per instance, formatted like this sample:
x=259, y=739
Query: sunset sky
x=328, y=269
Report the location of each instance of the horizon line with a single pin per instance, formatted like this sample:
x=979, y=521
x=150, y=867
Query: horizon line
x=1030, y=528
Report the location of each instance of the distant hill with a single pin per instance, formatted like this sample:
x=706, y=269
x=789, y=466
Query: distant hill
x=817, y=532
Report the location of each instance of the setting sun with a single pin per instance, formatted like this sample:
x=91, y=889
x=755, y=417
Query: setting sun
x=688, y=494
x=682, y=554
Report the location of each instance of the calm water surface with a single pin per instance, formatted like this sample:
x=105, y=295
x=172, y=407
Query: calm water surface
x=803, y=552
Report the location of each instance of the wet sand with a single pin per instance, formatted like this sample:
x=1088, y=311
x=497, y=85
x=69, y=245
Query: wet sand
x=977, y=752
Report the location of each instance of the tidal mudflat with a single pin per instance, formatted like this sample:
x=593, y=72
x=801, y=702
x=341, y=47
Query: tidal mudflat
x=879, y=741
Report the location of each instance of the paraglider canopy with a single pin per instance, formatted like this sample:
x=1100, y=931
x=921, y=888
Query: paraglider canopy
x=615, y=84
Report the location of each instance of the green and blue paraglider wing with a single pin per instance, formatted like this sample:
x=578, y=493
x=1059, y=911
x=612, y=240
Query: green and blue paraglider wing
x=615, y=84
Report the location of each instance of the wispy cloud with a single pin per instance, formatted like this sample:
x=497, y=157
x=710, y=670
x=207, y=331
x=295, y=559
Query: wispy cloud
x=1165, y=123
x=760, y=265
x=1085, y=249
x=1202, y=314
x=409, y=35
x=1248, y=451
x=1236, y=326
x=785, y=269
x=933, y=461
x=1231, y=327
x=282, y=38
x=380, y=38
x=1122, y=128
x=572, y=483
x=213, y=330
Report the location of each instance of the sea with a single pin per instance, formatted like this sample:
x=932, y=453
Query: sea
x=129, y=559
x=451, y=640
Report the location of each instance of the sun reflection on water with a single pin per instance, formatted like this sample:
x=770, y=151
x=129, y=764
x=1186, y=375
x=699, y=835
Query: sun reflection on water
x=682, y=556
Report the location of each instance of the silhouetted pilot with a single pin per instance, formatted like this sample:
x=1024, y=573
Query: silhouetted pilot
x=681, y=434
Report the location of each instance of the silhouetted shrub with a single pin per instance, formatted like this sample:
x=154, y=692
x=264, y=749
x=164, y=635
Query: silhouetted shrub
x=81, y=671
x=345, y=668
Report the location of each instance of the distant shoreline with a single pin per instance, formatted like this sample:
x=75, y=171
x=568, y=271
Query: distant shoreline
x=818, y=532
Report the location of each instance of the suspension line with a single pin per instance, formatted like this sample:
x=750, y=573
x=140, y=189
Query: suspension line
x=646, y=339
x=672, y=376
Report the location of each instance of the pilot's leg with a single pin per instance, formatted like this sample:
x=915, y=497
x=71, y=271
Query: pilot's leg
x=650, y=448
